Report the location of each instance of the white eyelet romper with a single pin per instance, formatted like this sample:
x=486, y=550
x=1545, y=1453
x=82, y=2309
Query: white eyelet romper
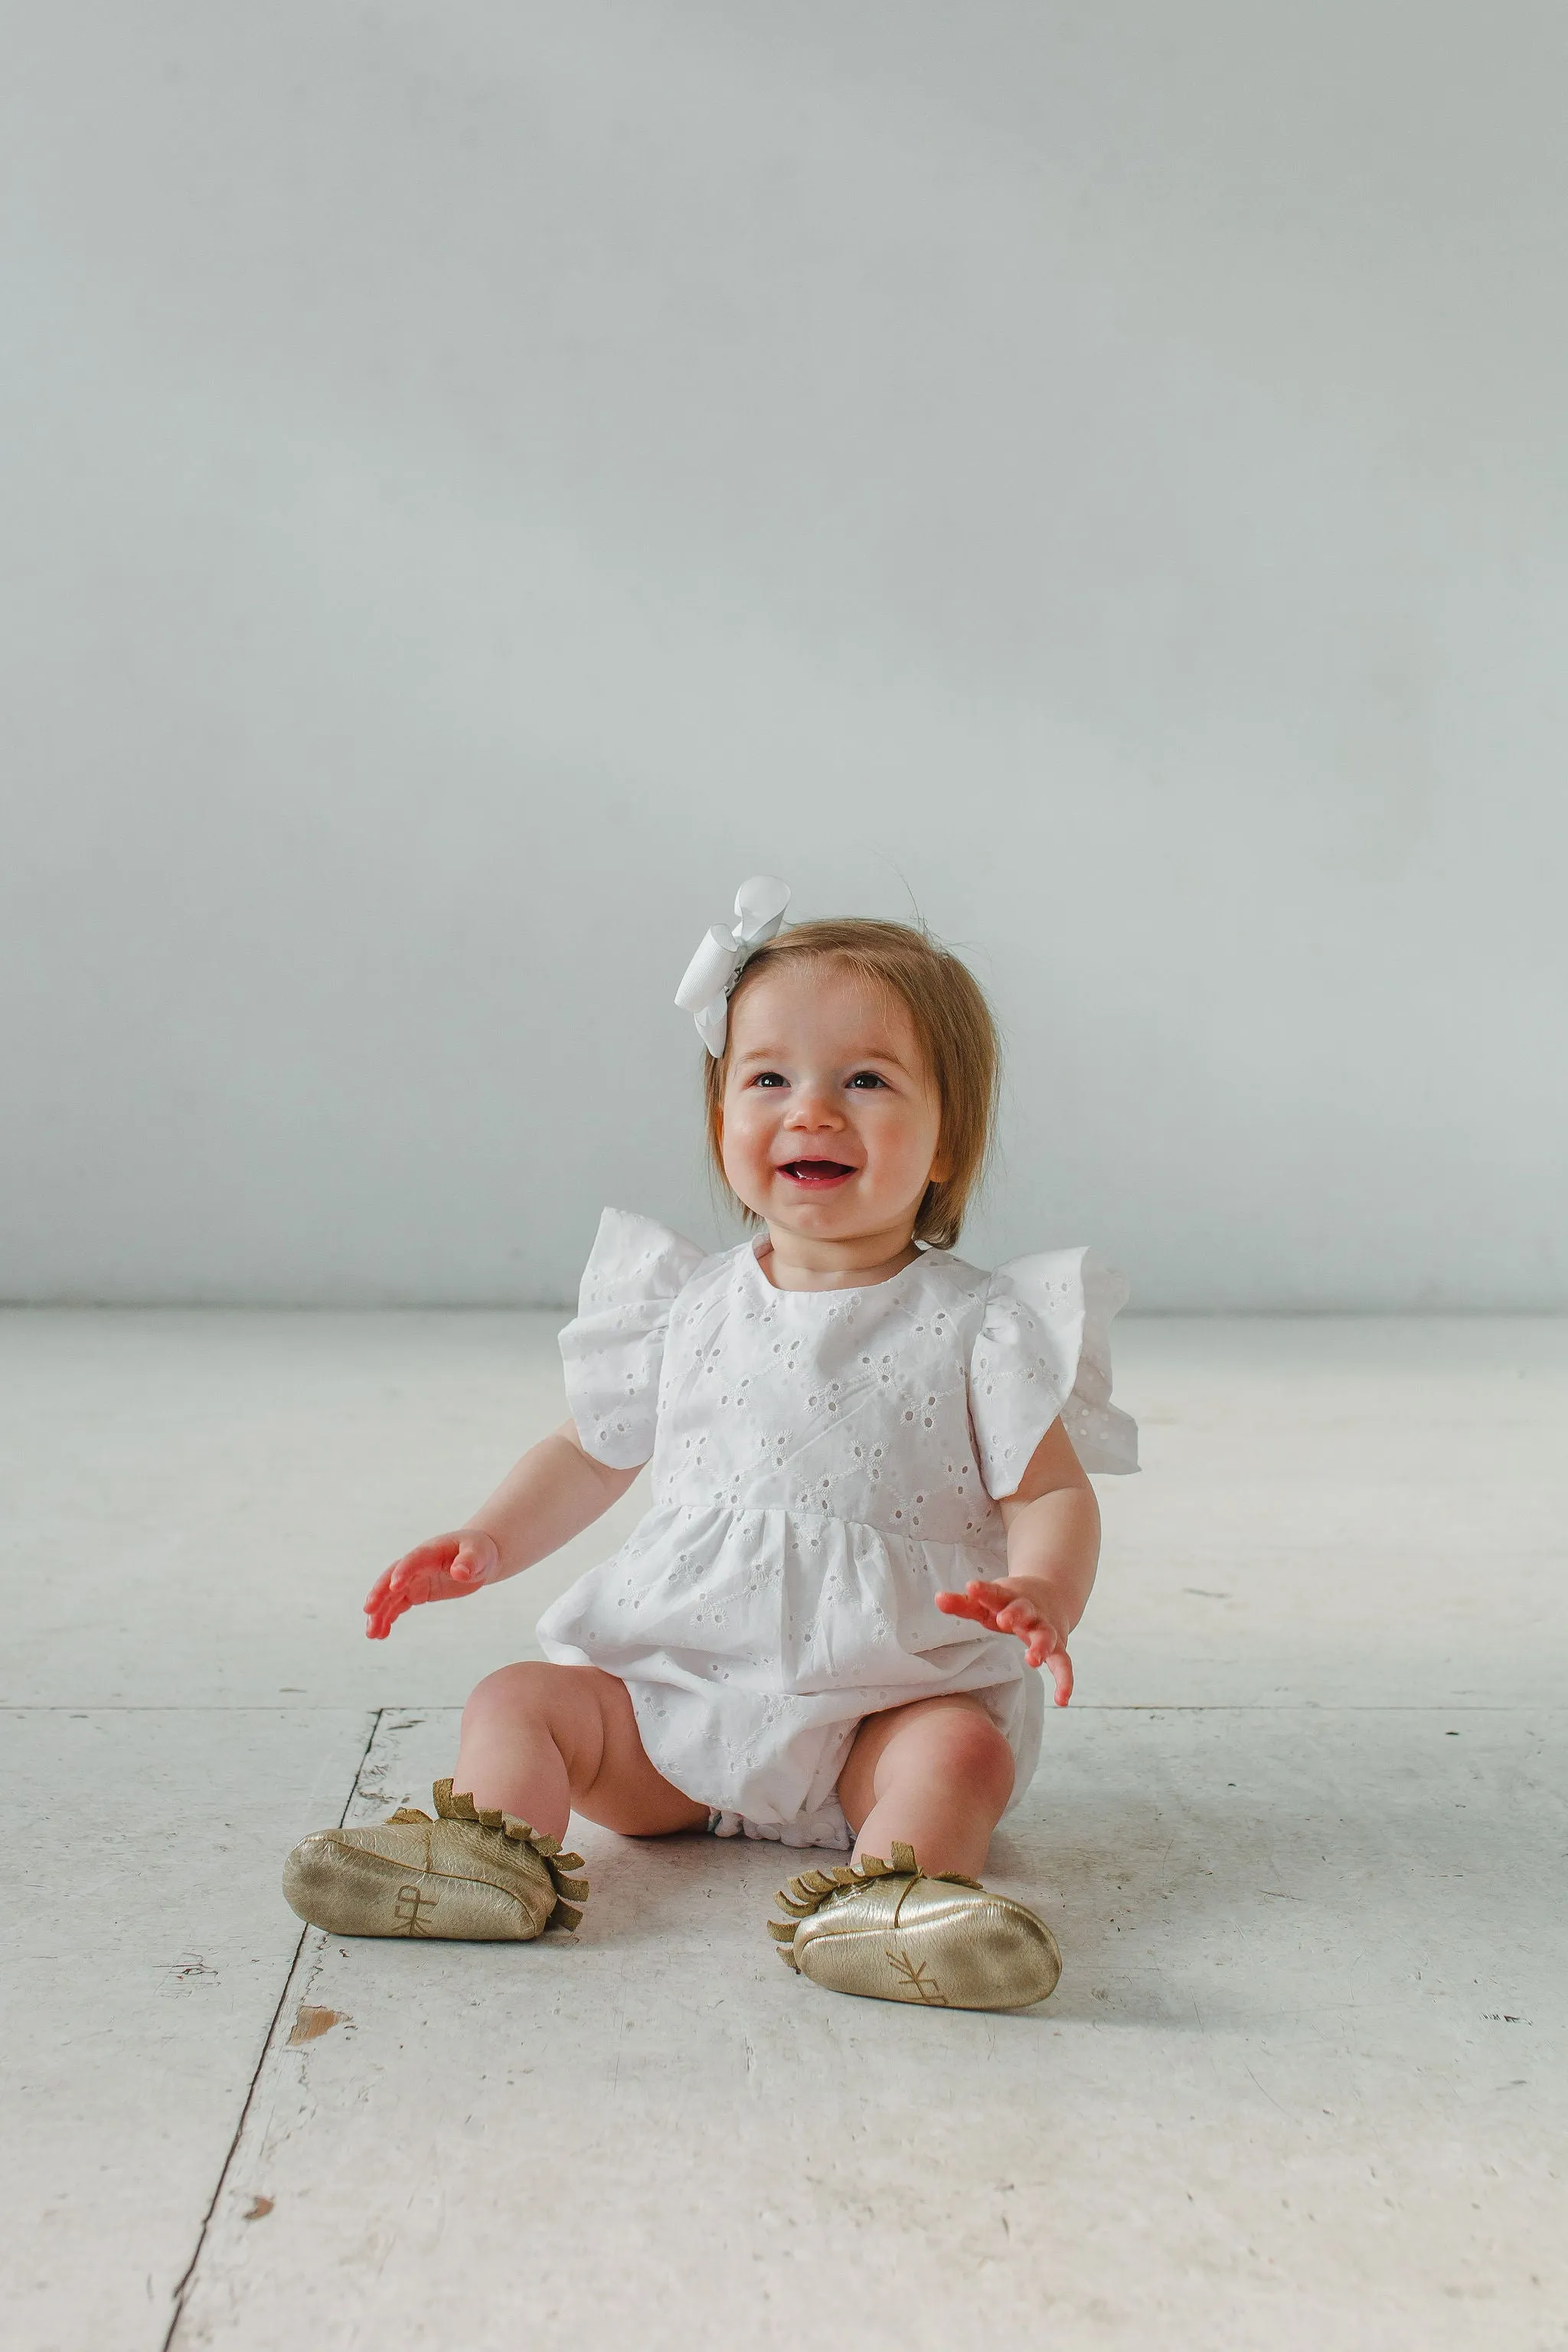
x=824, y=1463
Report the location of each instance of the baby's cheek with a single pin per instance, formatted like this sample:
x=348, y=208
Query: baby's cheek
x=744, y=1160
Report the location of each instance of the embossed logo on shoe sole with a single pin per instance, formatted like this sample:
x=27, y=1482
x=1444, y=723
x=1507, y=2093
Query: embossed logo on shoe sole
x=410, y=1908
x=923, y=1986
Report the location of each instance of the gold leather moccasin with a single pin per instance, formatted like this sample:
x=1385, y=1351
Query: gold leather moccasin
x=468, y=1876
x=887, y=1932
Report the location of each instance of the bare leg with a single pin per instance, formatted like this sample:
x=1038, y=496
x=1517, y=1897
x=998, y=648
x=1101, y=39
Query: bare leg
x=539, y=1741
x=935, y=1774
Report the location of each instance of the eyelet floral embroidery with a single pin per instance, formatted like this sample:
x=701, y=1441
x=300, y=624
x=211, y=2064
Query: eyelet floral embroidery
x=822, y=1465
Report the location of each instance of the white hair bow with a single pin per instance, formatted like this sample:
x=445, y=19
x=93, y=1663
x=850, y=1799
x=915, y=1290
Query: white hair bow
x=712, y=974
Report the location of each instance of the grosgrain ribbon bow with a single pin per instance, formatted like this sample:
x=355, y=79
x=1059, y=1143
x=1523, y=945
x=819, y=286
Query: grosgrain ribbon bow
x=712, y=974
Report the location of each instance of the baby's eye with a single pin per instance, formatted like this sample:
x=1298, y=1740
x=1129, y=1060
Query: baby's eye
x=770, y=1079
x=867, y=1079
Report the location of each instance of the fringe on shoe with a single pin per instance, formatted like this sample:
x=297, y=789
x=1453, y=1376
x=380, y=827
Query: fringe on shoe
x=813, y=1888
x=570, y=1893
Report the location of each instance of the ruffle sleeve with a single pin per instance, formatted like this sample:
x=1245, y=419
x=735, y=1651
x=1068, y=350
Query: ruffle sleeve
x=614, y=1351
x=1043, y=1348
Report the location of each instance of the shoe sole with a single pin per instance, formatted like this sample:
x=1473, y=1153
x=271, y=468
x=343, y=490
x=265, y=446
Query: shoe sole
x=348, y=1891
x=999, y=1956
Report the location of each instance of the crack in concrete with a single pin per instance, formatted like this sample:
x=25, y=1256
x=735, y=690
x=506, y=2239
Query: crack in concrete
x=187, y=2276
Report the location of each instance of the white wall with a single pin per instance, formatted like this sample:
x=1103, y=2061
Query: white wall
x=478, y=478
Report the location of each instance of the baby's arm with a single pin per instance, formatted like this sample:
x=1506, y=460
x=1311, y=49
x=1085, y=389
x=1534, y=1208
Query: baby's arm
x=1053, y=1548
x=551, y=1495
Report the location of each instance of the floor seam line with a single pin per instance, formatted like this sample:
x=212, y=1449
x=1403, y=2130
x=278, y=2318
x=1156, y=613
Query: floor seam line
x=183, y=2285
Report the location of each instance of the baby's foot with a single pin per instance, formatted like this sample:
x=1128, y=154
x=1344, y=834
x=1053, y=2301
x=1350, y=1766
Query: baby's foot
x=887, y=1931
x=479, y=1876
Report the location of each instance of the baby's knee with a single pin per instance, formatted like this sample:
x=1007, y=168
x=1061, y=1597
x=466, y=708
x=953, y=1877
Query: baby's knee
x=525, y=1689
x=976, y=1754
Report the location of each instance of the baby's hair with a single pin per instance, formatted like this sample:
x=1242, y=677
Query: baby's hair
x=956, y=1033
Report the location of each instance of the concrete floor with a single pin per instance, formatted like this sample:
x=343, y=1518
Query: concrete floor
x=1300, y=1836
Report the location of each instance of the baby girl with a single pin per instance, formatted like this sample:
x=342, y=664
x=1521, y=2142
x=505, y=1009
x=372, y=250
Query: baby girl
x=871, y=1530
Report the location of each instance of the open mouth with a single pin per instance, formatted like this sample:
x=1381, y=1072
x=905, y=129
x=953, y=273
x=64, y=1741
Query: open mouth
x=816, y=1175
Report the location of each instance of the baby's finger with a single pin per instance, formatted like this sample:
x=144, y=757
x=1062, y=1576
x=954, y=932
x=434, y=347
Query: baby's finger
x=1060, y=1666
x=383, y=1616
x=1038, y=1638
x=959, y=1604
x=379, y=1589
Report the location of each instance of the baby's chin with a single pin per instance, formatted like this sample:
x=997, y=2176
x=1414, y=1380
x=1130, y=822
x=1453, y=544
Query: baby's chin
x=822, y=1187
x=839, y=1213
x=822, y=1203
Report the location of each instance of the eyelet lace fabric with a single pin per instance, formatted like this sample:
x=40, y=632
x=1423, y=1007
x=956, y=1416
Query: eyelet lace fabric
x=824, y=1462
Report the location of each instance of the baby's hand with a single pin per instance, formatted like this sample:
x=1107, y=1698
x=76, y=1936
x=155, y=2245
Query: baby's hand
x=1017, y=1604
x=442, y=1570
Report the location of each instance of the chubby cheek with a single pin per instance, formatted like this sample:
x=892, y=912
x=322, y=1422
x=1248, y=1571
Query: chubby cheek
x=901, y=1171
x=899, y=1145
x=745, y=1152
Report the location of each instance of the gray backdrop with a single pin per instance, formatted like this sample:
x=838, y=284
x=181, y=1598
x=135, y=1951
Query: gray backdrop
x=479, y=478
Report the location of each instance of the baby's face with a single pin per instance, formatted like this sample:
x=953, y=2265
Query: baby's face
x=831, y=1122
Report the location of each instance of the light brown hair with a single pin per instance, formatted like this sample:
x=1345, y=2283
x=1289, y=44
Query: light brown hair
x=952, y=1021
